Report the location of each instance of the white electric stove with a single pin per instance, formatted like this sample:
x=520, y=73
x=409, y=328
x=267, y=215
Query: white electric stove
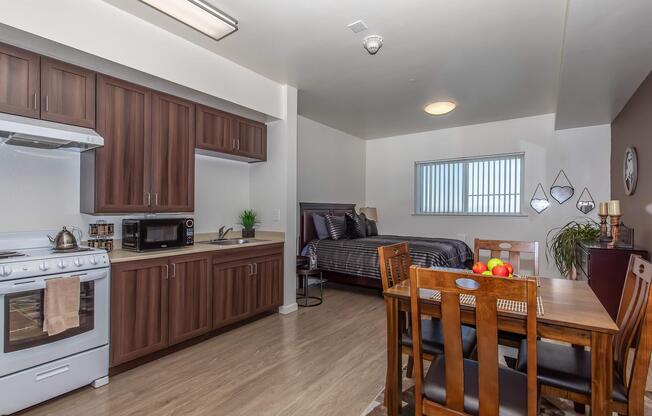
x=35, y=367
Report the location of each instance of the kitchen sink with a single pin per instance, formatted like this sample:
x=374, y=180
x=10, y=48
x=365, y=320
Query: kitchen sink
x=234, y=241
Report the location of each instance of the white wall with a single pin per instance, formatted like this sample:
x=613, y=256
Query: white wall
x=101, y=29
x=583, y=153
x=331, y=164
x=42, y=191
x=273, y=192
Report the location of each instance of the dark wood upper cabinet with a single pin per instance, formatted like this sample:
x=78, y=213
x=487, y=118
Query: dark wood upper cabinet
x=19, y=82
x=190, y=297
x=67, y=93
x=116, y=178
x=251, y=139
x=173, y=154
x=139, y=309
x=214, y=131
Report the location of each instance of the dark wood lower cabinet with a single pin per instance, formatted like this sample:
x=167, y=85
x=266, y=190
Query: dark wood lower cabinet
x=190, y=297
x=159, y=303
x=139, y=309
x=231, y=292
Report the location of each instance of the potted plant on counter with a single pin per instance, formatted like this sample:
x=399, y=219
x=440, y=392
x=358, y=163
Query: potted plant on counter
x=563, y=245
x=248, y=220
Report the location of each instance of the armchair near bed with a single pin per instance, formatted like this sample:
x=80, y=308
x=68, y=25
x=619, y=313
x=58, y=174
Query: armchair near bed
x=355, y=260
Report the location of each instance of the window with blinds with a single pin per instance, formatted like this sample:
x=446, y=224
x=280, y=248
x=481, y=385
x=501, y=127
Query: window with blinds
x=491, y=185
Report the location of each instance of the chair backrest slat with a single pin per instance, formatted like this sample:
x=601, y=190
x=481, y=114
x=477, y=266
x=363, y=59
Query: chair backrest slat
x=395, y=262
x=487, y=290
x=634, y=320
x=514, y=249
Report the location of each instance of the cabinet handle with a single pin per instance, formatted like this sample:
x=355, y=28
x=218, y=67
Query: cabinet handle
x=47, y=103
x=251, y=269
x=167, y=271
x=156, y=199
x=149, y=199
x=35, y=98
x=174, y=270
x=255, y=268
x=233, y=144
x=237, y=144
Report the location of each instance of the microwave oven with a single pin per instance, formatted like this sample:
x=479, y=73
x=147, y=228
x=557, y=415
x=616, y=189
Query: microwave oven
x=157, y=233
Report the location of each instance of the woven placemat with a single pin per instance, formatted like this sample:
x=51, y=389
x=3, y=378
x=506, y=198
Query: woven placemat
x=503, y=304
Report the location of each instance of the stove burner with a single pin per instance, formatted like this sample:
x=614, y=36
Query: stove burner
x=71, y=250
x=10, y=254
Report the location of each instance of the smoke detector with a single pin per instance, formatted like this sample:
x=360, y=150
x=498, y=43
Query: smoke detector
x=372, y=43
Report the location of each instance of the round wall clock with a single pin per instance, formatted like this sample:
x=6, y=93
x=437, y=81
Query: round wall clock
x=630, y=170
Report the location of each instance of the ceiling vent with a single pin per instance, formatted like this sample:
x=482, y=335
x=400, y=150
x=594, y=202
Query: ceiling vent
x=357, y=27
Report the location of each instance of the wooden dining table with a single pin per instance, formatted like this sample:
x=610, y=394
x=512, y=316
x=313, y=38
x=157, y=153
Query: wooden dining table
x=571, y=313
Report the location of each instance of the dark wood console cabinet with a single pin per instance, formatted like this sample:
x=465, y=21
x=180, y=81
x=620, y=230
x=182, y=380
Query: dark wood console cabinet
x=605, y=268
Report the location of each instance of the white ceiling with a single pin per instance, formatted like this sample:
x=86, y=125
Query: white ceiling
x=497, y=59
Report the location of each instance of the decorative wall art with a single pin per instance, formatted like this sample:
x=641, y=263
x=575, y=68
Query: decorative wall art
x=539, y=201
x=585, y=203
x=630, y=170
x=562, y=188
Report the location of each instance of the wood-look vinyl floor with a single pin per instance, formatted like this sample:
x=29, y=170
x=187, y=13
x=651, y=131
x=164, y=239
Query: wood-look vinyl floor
x=327, y=360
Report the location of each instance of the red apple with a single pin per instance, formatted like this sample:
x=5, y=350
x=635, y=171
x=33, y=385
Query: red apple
x=479, y=267
x=509, y=267
x=500, y=271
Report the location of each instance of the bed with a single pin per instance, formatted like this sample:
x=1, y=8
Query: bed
x=355, y=261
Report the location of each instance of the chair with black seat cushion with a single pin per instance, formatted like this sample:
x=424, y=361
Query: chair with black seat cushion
x=453, y=384
x=513, y=251
x=395, y=265
x=565, y=371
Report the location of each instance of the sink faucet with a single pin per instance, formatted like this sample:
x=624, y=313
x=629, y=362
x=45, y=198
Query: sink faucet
x=221, y=233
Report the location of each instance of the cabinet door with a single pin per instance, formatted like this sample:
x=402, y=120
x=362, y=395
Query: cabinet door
x=267, y=283
x=122, y=166
x=251, y=139
x=139, y=309
x=231, y=292
x=190, y=297
x=173, y=154
x=67, y=93
x=19, y=82
x=213, y=130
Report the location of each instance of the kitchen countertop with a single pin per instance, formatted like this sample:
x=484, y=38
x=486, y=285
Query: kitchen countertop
x=119, y=255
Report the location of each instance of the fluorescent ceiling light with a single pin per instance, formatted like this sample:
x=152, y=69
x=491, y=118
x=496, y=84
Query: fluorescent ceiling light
x=199, y=15
x=440, y=108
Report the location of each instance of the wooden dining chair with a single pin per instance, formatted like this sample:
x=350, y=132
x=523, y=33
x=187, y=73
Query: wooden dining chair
x=565, y=371
x=455, y=385
x=395, y=262
x=514, y=249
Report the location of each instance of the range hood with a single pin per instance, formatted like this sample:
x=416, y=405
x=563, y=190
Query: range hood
x=41, y=134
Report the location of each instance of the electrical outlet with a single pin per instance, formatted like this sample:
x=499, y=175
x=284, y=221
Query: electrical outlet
x=277, y=215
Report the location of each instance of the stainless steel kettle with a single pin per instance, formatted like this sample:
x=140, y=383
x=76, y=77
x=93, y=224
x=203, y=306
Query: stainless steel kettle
x=65, y=240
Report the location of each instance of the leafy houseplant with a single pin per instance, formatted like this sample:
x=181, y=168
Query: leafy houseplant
x=248, y=220
x=562, y=244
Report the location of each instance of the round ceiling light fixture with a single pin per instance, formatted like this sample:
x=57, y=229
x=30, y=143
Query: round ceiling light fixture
x=372, y=43
x=440, y=108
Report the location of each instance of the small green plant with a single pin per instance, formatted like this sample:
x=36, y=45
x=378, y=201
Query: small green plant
x=562, y=244
x=249, y=219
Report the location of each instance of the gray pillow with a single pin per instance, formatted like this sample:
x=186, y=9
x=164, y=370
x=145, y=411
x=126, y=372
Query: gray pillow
x=320, y=226
x=372, y=229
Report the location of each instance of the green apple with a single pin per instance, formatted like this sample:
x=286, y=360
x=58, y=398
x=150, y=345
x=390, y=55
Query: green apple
x=493, y=263
x=487, y=272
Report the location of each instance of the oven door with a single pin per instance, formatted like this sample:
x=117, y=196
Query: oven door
x=24, y=344
x=163, y=233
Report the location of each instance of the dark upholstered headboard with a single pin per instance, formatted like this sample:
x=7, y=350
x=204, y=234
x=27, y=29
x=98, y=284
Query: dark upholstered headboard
x=307, y=231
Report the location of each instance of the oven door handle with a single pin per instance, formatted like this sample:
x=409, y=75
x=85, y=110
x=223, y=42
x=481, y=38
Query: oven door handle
x=26, y=285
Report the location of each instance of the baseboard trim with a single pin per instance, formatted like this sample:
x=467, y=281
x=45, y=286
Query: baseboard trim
x=287, y=309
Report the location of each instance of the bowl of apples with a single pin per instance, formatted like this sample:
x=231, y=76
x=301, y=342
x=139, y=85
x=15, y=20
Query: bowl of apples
x=494, y=267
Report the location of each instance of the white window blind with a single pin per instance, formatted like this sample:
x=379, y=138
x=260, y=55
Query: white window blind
x=491, y=185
